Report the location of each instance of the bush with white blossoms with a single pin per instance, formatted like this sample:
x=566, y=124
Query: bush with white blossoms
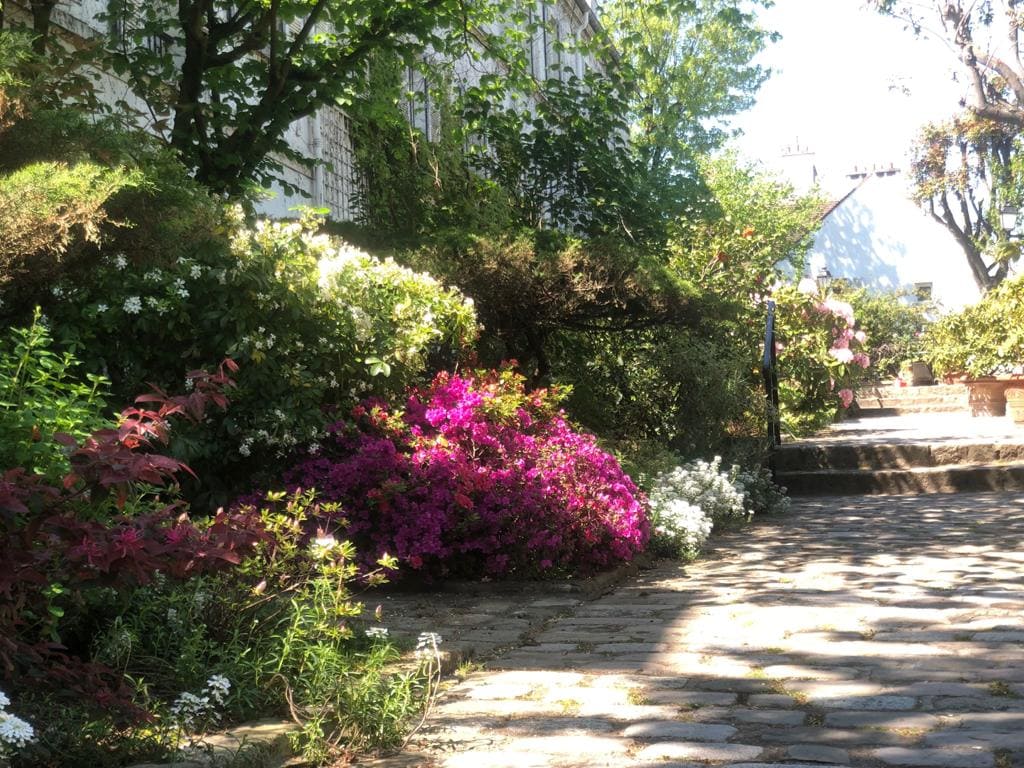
x=686, y=503
x=313, y=323
x=15, y=733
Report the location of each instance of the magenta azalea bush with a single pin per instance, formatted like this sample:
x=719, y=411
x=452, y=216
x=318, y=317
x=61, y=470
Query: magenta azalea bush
x=477, y=477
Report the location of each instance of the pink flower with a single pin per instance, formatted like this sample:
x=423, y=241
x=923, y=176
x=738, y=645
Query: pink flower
x=862, y=360
x=846, y=397
x=807, y=287
x=840, y=309
x=842, y=354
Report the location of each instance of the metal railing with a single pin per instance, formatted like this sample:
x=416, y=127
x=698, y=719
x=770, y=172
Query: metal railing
x=770, y=372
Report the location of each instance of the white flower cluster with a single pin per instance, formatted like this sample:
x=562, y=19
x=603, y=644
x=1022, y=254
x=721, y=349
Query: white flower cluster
x=683, y=527
x=426, y=644
x=15, y=733
x=686, y=503
x=189, y=707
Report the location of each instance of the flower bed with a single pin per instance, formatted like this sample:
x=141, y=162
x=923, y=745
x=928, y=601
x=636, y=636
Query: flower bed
x=477, y=477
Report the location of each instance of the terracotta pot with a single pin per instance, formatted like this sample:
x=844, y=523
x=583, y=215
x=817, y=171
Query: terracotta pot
x=1015, y=404
x=987, y=397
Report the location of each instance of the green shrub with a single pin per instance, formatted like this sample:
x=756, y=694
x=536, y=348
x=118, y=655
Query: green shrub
x=313, y=323
x=984, y=339
x=894, y=324
x=44, y=209
x=285, y=630
x=42, y=393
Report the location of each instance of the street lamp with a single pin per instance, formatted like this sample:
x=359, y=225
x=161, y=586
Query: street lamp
x=1008, y=218
x=823, y=279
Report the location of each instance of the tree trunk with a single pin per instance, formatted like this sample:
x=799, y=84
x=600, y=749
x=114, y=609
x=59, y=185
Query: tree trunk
x=41, y=12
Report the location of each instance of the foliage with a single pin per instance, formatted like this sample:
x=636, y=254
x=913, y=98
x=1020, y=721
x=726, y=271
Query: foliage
x=104, y=530
x=411, y=185
x=820, y=358
x=44, y=208
x=894, y=324
x=313, y=322
x=226, y=79
x=984, y=339
x=963, y=172
x=41, y=394
x=688, y=390
x=156, y=214
x=283, y=627
x=566, y=162
x=690, y=66
x=760, y=493
x=529, y=286
x=477, y=477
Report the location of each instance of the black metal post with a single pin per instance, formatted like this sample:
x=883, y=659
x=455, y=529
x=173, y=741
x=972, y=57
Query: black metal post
x=769, y=370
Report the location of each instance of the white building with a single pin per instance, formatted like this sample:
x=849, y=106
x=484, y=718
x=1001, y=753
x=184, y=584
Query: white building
x=877, y=236
x=332, y=182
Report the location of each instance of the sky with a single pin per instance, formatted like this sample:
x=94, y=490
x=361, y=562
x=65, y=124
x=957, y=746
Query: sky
x=849, y=85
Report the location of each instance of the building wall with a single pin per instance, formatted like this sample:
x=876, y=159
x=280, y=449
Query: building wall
x=332, y=181
x=879, y=236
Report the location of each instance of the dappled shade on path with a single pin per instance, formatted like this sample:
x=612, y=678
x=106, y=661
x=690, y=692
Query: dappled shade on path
x=857, y=631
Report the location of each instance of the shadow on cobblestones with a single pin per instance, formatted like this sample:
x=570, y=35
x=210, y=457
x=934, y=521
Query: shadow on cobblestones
x=855, y=631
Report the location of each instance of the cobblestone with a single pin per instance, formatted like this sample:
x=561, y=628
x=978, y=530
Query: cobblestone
x=859, y=632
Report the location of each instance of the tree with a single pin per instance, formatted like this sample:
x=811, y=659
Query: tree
x=995, y=71
x=691, y=67
x=222, y=81
x=962, y=170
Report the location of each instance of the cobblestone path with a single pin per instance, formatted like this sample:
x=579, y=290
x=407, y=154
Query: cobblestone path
x=855, y=631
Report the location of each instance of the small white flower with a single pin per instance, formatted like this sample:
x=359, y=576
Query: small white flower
x=314, y=448
x=120, y=261
x=245, y=448
x=4, y=701
x=153, y=276
x=101, y=308
x=57, y=291
x=426, y=643
x=15, y=731
x=132, y=305
x=373, y=632
x=219, y=687
x=195, y=272
x=322, y=546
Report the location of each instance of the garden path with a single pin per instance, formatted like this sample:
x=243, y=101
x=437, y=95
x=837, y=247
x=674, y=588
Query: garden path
x=855, y=631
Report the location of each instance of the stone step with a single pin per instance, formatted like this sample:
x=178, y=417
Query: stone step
x=904, y=409
x=903, y=402
x=810, y=457
x=887, y=391
x=915, y=480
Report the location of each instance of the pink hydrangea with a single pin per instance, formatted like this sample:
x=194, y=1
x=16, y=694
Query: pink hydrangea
x=842, y=354
x=846, y=397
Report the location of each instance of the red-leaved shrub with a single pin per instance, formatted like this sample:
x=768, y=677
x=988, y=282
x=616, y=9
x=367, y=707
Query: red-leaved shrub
x=57, y=544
